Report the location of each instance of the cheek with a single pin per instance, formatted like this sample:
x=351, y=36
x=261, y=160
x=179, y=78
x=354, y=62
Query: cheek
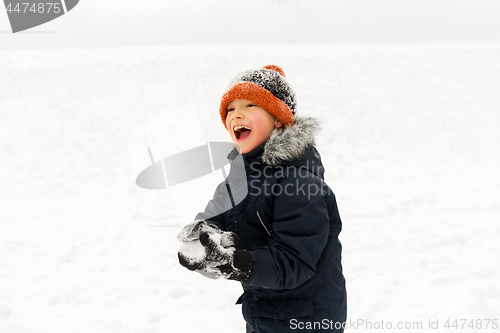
x=262, y=128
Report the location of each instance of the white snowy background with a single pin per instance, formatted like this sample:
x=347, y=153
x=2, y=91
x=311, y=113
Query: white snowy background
x=409, y=142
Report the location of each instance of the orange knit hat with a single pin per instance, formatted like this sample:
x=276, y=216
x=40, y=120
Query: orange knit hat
x=267, y=87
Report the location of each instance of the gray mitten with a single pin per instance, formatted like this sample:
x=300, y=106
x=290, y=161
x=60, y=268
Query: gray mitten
x=192, y=232
x=228, y=263
x=208, y=250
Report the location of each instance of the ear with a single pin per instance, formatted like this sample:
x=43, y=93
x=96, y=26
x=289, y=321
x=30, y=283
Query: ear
x=278, y=124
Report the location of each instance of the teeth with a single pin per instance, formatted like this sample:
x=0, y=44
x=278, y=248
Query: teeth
x=238, y=128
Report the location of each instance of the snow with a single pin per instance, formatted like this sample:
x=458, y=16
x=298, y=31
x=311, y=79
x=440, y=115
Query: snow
x=409, y=142
x=193, y=250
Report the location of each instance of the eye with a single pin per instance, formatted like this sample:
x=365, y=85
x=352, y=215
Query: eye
x=250, y=105
x=229, y=110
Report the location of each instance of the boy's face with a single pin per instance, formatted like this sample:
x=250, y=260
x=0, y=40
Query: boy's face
x=249, y=124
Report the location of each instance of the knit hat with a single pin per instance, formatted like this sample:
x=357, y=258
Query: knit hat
x=267, y=87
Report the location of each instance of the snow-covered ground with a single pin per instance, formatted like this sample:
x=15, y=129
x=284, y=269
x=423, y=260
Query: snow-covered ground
x=410, y=145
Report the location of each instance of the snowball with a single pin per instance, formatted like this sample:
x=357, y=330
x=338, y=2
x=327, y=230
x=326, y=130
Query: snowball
x=193, y=250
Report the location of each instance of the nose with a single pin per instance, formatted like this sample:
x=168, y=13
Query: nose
x=237, y=114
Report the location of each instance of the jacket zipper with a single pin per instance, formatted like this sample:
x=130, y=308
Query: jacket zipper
x=269, y=233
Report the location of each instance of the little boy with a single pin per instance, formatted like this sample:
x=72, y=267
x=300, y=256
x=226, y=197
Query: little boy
x=281, y=241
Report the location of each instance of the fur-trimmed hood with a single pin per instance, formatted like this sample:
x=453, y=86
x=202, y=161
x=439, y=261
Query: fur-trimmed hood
x=290, y=143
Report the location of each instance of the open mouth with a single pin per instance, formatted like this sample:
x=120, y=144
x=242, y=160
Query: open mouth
x=241, y=132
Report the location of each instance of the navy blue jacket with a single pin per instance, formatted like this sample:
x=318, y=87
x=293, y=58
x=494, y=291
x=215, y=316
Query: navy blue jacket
x=275, y=199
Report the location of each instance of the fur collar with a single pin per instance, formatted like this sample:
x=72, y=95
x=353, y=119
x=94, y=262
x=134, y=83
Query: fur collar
x=289, y=143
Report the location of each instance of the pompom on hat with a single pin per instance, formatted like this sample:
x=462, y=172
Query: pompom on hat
x=266, y=87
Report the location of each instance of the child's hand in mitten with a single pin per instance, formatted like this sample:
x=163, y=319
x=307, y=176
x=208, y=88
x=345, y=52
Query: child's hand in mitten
x=192, y=254
x=192, y=231
x=208, y=250
x=226, y=262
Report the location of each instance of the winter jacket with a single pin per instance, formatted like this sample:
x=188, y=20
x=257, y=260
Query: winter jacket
x=289, y=221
